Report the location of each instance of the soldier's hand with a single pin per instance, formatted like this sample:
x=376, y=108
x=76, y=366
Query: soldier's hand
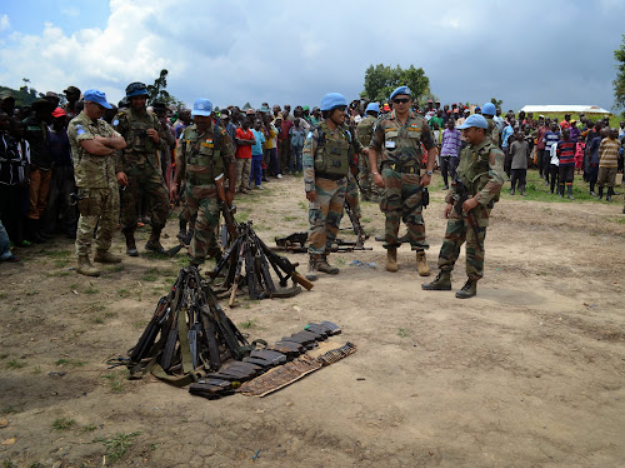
x=378, y=180
x=311, y=196
x=469, y=205
x=424, y=180
x=173, y=193
x=448, y=208
x=122, y=179
x=154, y=134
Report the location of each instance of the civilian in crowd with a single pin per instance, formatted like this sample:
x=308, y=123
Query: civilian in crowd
x=592, y=150
x=271, y=156
x=575, y=131
x=608, y=163
x=550, y=138
x=245, y=141
x=184, y=120
x=297, y=135
x=37, y=136
x=554, y=162
x=62, y=184
x=315, y=117
x=72, y=94
x=566, y=163
x=450, y=152
x=580, y=149
x=518, y=164
x=508, y=131
x=284, y=144
x=257, y=154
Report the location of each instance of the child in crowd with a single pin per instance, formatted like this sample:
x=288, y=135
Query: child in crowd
x=257, y=155
x=566, y=163
x=580, y=150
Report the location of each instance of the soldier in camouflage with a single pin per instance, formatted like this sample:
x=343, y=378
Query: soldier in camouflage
x=138, y=168
x=94, y=143
x=364, y=132
x=327, y=156
x=397, y=138
x=204, y=151
x=481, y=171
x=489, y=111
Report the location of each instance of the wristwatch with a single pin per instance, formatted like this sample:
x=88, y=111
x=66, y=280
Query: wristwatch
x=375, y=173
x=429, y=173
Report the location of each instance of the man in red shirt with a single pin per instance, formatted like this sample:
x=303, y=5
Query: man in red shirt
x=245, y=140
x=284, y=144
x=566, y=123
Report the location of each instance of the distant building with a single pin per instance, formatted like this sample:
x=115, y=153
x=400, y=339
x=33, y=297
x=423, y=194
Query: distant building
x=566, y=109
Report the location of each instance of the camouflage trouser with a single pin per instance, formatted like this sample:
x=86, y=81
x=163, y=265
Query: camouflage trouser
x=186, y=214
x=368, y=188
x=96, y=204
x=458, y=231
x=351, y=195
x=144, y=179
x=202, y=200
x=401, y=201
x=325, y=214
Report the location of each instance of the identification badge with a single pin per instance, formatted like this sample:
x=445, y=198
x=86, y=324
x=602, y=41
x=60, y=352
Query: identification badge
x=389, y=144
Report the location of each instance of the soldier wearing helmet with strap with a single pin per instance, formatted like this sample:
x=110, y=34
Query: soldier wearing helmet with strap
x=138, y=168
x=327, y=156
x=395, y=151
x=364, y=132
x=489, y=111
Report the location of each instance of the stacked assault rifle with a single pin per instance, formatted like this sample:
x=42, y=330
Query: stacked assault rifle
x=248, y=263
x=190, y=339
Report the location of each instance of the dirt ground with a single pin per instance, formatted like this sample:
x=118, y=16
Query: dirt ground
x=530, y=373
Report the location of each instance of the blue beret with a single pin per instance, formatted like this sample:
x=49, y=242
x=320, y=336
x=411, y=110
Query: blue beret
x=401, y=90
x=475, y=120
x=202, y=107
x=373, y=107
x=98, y=97
x=489, y=109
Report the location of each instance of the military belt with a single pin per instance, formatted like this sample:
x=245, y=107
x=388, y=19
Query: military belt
x=413, y=169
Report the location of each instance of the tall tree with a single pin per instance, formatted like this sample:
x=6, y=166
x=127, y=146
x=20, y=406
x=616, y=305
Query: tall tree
x=619, y=82
x=497, y=102
x=381, y=80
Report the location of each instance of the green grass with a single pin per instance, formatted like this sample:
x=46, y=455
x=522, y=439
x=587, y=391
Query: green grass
x=536, y=190
x=32, y=293
x=123, y=293
x=61, y=263
x=92, y=291
x=341, y=261
x=115, y=269
x=249, y=323
x=618, y=220
x=89, y=428
x=303, y=205
x=116, y=381
x=37, y=370
x=10, y=410
x=59, y=254
x=63, y=424
x=117, y=446
x=403, y=332
x=15, y=364
x=3, y=296
x=291, y=218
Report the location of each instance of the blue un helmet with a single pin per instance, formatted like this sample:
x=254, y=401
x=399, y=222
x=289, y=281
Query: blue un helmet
x=202, y=107
x=331, y=101
x=136, y=89
x=489, y=109
x=372, y=107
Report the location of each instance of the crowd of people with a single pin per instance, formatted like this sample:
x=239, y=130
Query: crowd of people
x=43, y=193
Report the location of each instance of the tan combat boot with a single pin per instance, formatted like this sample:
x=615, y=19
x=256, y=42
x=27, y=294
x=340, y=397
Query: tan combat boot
x=325, y=267
x=391, y=259
x=104, y=256
x=312, y=273
x=422, y=264
x=85, y=267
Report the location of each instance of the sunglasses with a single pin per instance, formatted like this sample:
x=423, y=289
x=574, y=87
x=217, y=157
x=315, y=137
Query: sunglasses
x=401, y=101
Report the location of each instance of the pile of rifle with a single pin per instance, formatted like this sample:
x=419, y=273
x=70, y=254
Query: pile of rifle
x=248, y=264
x=188, y=335
x=296, y=243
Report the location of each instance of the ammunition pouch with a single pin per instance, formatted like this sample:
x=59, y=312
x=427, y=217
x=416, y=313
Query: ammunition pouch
x=404, y=169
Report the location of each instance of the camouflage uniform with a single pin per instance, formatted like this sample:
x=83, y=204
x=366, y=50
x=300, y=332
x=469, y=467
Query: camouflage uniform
x=481, y=171
x=140, y=161
x=492, y=132
x=400, y=149
x=364, y=132
x=97, y=185
x=202, y=157
x=328, y=180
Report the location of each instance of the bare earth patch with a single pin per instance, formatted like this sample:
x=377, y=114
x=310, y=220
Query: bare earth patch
x=529, y=373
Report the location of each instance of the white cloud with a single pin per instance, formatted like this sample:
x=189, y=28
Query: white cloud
x=238, y=51
x=4, y=23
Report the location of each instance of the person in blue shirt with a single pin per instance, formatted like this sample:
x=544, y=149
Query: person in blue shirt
x=257, y=155
x=505, y=135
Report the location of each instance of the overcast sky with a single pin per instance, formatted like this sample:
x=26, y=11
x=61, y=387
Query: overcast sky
x=529, y=52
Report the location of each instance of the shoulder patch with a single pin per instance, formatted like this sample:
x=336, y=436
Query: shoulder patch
x=115, y=122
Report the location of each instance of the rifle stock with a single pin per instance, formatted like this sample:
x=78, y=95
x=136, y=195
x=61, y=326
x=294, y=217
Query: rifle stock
x=225, y=206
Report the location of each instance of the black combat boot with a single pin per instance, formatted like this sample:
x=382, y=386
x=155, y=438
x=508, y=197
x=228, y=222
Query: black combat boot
x=561, y=190
x=600, y=193
x=468, y=290
x=32, y=231
x=154, y=244
x=609, y=195
x=442, y=282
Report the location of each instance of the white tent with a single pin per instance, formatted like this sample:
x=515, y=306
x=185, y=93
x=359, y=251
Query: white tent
x=560, y=109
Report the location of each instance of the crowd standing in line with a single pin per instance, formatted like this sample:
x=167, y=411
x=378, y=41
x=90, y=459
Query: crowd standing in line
x=88, y=165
